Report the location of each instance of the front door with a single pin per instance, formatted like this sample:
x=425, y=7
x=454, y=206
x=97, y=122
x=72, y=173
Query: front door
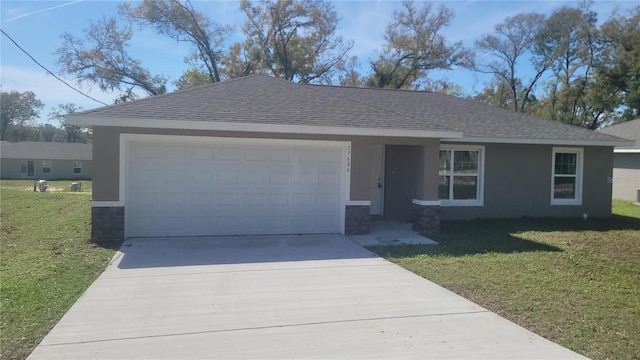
x=400, y=181
x=30, y=168
x=377, y=180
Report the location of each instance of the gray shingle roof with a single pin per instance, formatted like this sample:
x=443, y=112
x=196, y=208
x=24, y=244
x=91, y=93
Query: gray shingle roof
x=264, y=100
x=626, y=130
x=30, y=150
x=261, y=99
x=474, y=119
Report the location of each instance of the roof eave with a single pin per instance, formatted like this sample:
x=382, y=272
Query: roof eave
x=627, y=151
x=91, y=121
x=533, y=141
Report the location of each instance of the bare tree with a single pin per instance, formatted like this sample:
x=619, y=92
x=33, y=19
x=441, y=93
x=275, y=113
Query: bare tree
x=570, y=40
x=513, y=40
x=101, y=57
x=181, y=22
x=293, y=39
x=414, y=45
x=73, y=133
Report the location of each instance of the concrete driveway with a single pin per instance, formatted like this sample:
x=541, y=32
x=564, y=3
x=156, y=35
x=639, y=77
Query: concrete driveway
x=276, y=297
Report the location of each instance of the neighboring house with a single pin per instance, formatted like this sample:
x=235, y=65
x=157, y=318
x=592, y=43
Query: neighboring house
x=45, y=160
x=626, y=161
x=260, y=155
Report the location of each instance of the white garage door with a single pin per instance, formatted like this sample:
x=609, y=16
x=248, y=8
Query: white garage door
x=233, y=187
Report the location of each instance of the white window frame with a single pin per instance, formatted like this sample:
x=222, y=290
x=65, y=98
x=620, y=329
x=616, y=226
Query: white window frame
x=480, y=198
x=44, y=166
x=77, y=165
x=579, y=178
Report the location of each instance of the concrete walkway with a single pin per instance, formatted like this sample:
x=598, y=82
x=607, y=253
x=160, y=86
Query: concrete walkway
x=384, y=233
x=286, y=297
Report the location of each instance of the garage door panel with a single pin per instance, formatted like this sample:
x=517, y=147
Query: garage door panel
x=176, y=189
x=254, y=177
x=304, y=200
x=325, y=222
x=146, y=151
x=202, y=153
x=176, y=152
x=201, y=177
x=279, y=155
x=229, y=153
x=279, y=177
x=227, y=200
x=226, y=176
x=255, y=155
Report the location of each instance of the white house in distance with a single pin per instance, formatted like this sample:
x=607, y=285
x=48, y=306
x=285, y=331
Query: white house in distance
x=626, y=161
x=45, y=160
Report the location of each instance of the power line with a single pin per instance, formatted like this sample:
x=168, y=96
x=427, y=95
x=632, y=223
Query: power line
x=47, y=70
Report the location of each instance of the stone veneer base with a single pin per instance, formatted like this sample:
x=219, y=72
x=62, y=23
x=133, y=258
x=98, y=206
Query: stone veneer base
x=357, y=220
x=427, y=219
x=107, y=225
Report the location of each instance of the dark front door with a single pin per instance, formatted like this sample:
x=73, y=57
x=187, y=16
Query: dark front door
x=30, y=168
x=400, y=178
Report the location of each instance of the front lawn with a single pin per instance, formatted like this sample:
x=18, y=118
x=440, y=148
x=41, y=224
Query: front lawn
x=46, y=262
x=573, y=281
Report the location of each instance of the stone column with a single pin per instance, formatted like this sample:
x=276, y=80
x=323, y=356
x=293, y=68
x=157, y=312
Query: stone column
x=107, y=225
x=427, y=205
x=427, y=216
x=357, y=220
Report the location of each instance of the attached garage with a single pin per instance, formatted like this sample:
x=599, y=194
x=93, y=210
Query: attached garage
x=199, y=186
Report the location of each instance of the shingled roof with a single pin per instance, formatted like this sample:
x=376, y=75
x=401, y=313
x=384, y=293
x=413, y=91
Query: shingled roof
x=260, y=103
x=626, y=130
x=30, y=150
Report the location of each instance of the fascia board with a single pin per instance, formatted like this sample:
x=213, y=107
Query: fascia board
x=91, y=121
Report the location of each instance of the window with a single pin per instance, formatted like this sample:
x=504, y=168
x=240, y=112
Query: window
x=461, y=175
x=46, y=166
x=77, y=167
x=566, y=179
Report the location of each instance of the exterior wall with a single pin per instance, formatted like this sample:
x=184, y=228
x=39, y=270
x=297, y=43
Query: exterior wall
x=60, y=170
x=517, y=178
x=106, y=152
x=517, y=183
x=428, y=178
x=626, y=176
x=360, y=170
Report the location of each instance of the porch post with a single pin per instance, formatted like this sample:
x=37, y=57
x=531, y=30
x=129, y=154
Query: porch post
x=357, y=219
x=426, y=204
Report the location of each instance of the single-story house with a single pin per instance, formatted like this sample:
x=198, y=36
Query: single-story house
x=45, y=160
x=626, y=161
x=260, y=155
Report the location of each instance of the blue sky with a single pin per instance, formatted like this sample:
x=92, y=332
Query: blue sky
x=38, y=25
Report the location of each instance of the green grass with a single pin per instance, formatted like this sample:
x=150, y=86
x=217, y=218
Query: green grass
x=46, y=261
x=572, y=281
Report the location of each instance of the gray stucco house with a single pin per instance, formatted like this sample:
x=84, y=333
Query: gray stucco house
x=45, y=160
x=260, y=155
x=626, y=161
